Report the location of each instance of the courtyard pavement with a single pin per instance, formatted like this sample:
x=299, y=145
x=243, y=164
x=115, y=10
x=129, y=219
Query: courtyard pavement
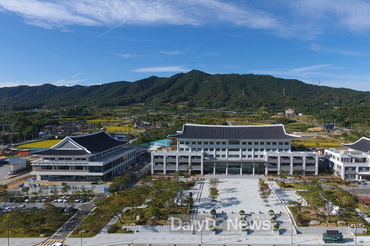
x=235, y=193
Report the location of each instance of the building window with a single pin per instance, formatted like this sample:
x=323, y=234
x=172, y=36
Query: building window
x=211, y=149
x=234, y=142
x=199, y=142
x=250, y=143
x=181, y=149
x=181, y=142
x=255, y=143
x=187, y=142
x=223, y=143
x=186, y=149
x=249, y=149
x=218, y=143
x=205, y=142
x=211, y=143
x=268, y=143
x=193, y=142
x=262, y=143
x=286, y=143
x=249, y=156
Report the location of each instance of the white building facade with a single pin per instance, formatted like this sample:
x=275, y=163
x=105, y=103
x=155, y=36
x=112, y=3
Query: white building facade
x=92, y=157
x=219, y=149
x=352, y=163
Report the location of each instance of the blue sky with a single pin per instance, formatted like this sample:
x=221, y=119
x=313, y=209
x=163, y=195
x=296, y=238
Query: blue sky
x=88, y=42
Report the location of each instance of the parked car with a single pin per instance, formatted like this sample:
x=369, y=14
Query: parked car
x=68, y=210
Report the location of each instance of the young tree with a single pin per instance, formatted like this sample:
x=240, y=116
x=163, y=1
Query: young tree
x=213, y=193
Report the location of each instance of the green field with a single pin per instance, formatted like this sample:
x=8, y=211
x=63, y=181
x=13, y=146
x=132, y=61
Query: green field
x=40, y=144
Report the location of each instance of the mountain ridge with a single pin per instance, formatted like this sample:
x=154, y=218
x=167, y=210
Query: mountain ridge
x=193, y=89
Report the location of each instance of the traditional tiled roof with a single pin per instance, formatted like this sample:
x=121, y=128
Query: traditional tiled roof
x=84, y=144
x=363, y=145
x=195, y=131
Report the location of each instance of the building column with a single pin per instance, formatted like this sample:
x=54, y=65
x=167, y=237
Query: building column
x=214, y=168
x=358, y=177
x=304, y=165
x=291, y=165
x=164, y=164
x=266, y=168
x=227, y=169
x=253, y=169
x=343, y=170
x=177, y=162
x=279, y=165
x=201, y=166
x=241, y=168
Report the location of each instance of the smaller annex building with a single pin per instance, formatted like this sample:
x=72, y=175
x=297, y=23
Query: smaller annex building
x=352, y=163
x=227, y=149
x=92, y=157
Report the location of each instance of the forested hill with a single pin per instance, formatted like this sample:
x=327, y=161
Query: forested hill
x=194, y=89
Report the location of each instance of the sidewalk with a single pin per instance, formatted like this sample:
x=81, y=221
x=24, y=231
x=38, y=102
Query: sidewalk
x=185, y=239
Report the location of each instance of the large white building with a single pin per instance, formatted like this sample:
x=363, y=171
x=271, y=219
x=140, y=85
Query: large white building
x=220, y=149
x=90, y=157
x=352, y=163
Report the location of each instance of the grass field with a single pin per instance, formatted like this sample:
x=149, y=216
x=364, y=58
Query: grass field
x=40, y=144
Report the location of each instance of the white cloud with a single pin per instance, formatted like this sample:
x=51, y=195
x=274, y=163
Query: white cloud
x=112, y=13
x=174, y=52
x=321, y=48
x=125, y=55
x=76, y=75
x=161, y=69
x=333, y=14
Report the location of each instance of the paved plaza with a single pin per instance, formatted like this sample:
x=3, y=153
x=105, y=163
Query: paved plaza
x=235, y=193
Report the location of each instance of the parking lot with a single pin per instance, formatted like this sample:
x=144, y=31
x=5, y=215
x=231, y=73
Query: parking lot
x=65, y=203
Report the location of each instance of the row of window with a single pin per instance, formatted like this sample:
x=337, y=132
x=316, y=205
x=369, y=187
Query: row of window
x=224, y=149
x=360, y=168
x=232, y=143
x=65, y=159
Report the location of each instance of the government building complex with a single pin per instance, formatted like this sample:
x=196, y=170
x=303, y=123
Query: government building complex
x=92, y=157
x=352, y=163
x=238, y=150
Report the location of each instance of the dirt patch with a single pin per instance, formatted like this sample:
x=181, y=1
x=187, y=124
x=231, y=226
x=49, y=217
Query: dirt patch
x=13, y=184
x=315, y=129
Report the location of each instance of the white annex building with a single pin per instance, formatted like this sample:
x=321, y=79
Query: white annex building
x=352, y=163
x=92, y=157
x=221, y=149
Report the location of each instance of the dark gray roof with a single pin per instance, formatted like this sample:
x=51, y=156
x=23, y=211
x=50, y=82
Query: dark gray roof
x=363, y=145
x=194, y=131
x=84, y=144
x=97, y=142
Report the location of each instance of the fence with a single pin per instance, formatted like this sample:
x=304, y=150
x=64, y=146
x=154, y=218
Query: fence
x=321, y=230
